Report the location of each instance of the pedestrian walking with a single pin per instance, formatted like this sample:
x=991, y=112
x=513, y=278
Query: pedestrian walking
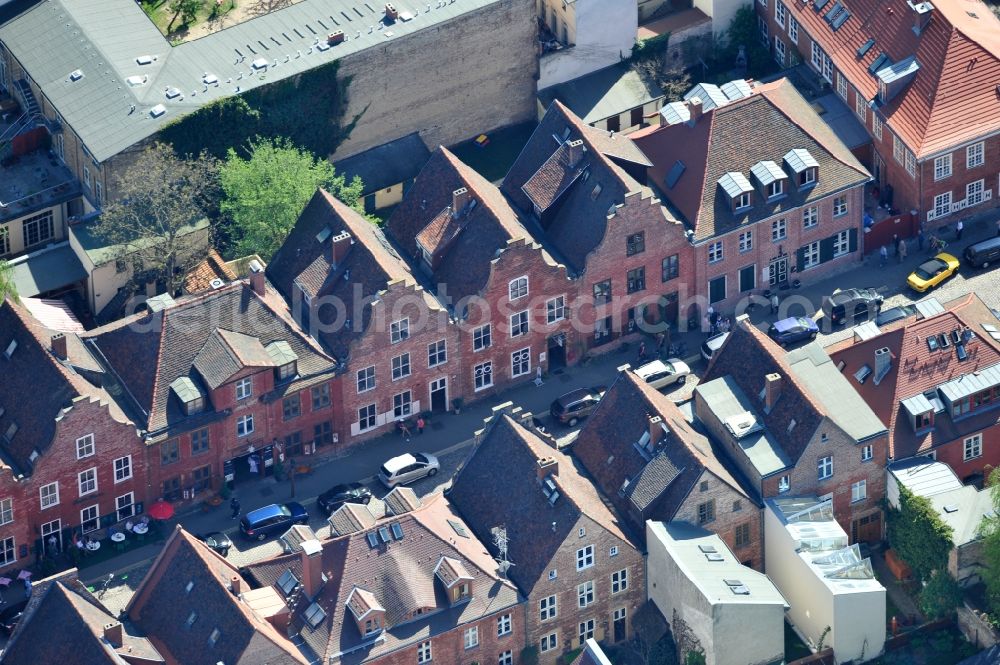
x=883, y=256
x=895, y=243
x=642, y=351
x=958, y=229
x=920, y=237
x=234, y=505
x=713, y=321
x=901, y=254
x=774, y=303
x=404, y=429
x=661, y=339
x=421, y=423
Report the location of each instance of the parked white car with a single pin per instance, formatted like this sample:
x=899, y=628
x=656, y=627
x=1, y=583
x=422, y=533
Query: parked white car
x=661, y=374
x=407, y=468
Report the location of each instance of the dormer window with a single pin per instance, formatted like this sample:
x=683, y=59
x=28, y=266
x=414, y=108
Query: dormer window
x=742, y=201
x=372, y=625
x=285, y=360
x=737, y=189
x=771, y=178
x=189, y=395
x=807, y=177
x=776, y=188
x=805, y=167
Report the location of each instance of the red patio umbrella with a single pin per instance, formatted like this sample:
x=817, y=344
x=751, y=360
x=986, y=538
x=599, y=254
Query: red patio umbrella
x=161, y=510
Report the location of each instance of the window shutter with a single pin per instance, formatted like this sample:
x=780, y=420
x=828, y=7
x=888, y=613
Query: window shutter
x=826, y=249
x=852, y=240
x=800, y=259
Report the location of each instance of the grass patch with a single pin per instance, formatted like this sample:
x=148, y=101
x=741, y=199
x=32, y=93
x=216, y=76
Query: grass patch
x=169, y=23
x=493, y=161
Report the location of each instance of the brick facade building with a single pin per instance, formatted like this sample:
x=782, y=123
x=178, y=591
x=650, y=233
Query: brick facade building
x=578, y=565
x=652, y=465
x=770, y=193
x=910, y=75
x=793, y=425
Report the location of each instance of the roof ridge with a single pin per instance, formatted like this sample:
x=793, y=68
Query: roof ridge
x=780, y=359
x=471, y=178
x=30, y=323
x=160, y=351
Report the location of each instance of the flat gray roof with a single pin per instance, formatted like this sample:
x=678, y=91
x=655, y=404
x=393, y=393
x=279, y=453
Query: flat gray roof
x=47, y=270
x=726, y=399
x=103, y=39
x=603, y=93
x=924, y=476
x=963, y=510
x=839, y=399
x=387, y=164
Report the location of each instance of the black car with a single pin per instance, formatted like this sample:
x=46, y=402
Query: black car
x=11, y=615
x=272, y=520
x=852, y=304
x=217, y=541
x=338, y=495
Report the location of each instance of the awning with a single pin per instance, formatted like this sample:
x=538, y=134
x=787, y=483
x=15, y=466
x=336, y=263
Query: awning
x=47, y=270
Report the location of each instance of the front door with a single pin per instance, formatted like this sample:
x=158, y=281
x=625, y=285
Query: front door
x=777, y=271
x=52, y=537
x=555, y=352
x=439, y=394
x=618, y=632
x=868, y=529
x=878, y=169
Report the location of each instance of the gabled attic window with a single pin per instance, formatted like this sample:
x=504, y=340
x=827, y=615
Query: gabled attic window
x=805, y=167
x=737, y=189
x=285, y=360
x=771, y=178
x=190, y=396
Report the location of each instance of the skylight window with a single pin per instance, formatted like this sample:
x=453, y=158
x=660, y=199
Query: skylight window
x=287, y=582
x=397, y=531
x=314, y=615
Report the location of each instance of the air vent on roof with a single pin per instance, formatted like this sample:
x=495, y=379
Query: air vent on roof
x=145, y=59
x=172, y=93
x=951, y=508
x=209, y=79
x=259, y=63
x=714, y=556
x=216, y=283
x=136, y=81
x=76, y=75
x=864, y=48
x=157, y=110
x=707, y=549
x=740, y=590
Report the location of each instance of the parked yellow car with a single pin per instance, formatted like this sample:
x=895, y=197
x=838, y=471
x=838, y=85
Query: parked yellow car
x=932, y=272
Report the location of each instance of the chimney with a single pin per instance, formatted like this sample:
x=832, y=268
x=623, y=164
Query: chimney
x=655, y=429
x=575, y=151
x=312, y=567
x=772, y=390
x=113, y=633
x=237, y=583
x=459, y=199
x=883, y=363
x=694, y=107
x=391, y=12
x=339, y=246
x=257, y=278
x=921, y=15
x=59, y=345
x=335, y=37
x=547, y=466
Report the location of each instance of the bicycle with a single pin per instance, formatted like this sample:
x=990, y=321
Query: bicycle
x=107, y=583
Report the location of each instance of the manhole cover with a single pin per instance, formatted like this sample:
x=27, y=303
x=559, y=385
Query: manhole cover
x=266, y=491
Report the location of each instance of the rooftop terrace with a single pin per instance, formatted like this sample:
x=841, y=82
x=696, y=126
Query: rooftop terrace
x=34, y=181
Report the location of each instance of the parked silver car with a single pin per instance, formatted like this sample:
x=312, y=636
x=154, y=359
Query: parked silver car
x=660, y=374
x=405, y=469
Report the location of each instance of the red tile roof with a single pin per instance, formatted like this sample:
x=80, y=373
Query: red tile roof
x=211, y=268
x=953, y=97
x=916, y=369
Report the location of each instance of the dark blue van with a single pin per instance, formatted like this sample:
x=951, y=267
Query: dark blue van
x=272, y=520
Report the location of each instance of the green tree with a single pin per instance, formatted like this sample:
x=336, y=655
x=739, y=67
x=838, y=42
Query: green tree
x=186, y=9
x=941, y=595
x=744, y=31
x=989, y=531
x=264, y=195
x=918, y=534
x=7, y=286
x=149, y=223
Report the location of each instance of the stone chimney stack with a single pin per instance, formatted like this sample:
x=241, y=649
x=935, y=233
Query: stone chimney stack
x=59, y=346
x=655, y=429
x=772, y=390
x=576, y=150
x=340, y=244
x=257, y=278
x=547, y=466
x=459, y=199
x=114, y=633
x=312, y=567
x=237, y=583
x=695, y=108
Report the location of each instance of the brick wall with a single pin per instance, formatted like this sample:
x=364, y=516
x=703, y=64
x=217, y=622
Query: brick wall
x=731, y=511
x=569, y=615
x=449, y=647
x=952, y=453
x=465, y=76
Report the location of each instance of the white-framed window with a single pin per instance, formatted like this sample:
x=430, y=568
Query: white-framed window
x=942, y=167
x=399, y=330
x=776, y=188
x=840, y=206
x=244, y=388
x=619, y=581
x=859, y=491
x=6, y=511
x=244, y=425
x=123, y=467
x=975, y=155
x=779, y=13
x=911, y=163
x=87, y=481
x=827, y=68
x=37, y=229
x=824, y=467
x=400, y=366
x=793, y=30
x=86, y=177
x=867, y=452
x=519, y=324
x=942, y=204
x=402, y=404
x=520, y=362
x=424, y=652
x=746, y=241
x=548, y=642
x=482, y=337
x=89, y=518
x=367, y=417
x=898, y=149
x=585, y=593
x=763, y=3
x=715, y=253
x=779, y=51
x=876, y=125
x=506, y=658
x=518, y=288
x=437, y=353
x=974, y=193
x=4, y=240
x=366, y=379
x=841, y=85
x=586, y=630
x=613, y=551
x=810, y=217
x=817, y=57
x=553, y=574
x=504, y=626
x=841, y=243
x=49, y=495
x=779, y=230
x=784, y=484
x=810, y=255
x=547, y=608
x=471, y=639
x=85, y=446
x=860, y=107
x=555, y=309
x=585, y=557
x=764, y=35
x=8, y=554
x=741, y=200
x=98, y=193
x=482, y=374
x=125, y=506
x=973, y=447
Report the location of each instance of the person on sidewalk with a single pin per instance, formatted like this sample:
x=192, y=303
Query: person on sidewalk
x=958, y=230
x=420, y=424
x=901, y=253
x=234, y=505
x=774, y=303
x=404, y=429
x=920, y=237
x=883, y=256
x=642, y=351
x=895, y=243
